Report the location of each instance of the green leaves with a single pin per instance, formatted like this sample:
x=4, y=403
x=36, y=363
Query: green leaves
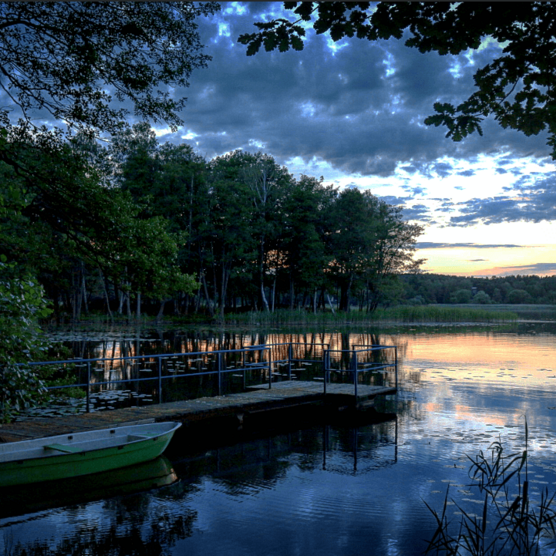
x=119, y=54
x=21, y=306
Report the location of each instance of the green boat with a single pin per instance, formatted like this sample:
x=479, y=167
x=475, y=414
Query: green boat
x=36, y=497
x=83, y=453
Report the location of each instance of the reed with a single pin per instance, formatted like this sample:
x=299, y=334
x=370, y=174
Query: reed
x=509, y=522
x=409, y=314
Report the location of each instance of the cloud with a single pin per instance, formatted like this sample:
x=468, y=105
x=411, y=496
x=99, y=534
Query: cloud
x=467, y=173
x=348, y=108
x=543, y=269
x=435, y=245
x=531, y=202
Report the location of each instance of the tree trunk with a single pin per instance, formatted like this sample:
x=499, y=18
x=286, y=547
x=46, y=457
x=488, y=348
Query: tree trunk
x=330, y=303
x=84, y=289
x=263, y=298
x=138, y=313
x=207, y=296
x=106, y=294
x=161, y=310
x=345, y=291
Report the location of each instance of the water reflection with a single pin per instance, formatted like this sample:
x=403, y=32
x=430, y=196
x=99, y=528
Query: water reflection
x=25, y=499
x=338, y=488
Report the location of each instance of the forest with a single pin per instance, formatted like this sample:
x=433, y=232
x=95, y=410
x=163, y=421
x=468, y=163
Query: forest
x=136, y=226
x=424, y=288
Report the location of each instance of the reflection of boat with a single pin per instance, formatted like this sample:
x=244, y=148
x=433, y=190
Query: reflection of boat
x=24, y=499
x=82, y=453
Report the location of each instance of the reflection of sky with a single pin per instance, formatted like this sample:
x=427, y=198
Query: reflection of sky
x=467, y=390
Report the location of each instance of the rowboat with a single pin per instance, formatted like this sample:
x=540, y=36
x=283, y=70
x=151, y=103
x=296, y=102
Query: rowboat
x=83, y=453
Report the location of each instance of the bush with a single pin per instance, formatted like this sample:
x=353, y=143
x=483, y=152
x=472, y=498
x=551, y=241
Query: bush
x=21, y=340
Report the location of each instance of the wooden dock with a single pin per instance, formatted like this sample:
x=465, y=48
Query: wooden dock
x=260, y=398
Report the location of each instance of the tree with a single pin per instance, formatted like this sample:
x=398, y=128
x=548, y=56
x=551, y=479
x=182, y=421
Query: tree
x=79, y=61
x=369, y=245
x=517, y=88
x=21, y=306
x=461, y=296
x=303, y=236
x=267, y=183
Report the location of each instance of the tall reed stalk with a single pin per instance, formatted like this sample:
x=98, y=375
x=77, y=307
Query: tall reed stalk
x=395, y=314
x=509, y=523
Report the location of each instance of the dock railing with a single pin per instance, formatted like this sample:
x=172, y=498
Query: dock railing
x=161, y=367
x=357, y=367
x=251, y=358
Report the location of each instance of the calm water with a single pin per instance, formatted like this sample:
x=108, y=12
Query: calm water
x=324, y=487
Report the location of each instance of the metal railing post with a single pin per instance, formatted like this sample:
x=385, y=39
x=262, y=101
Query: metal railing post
x=219, y=369
x=88, y=409
x=290, y=355
x=160, y=380
x=269, y=368
x=354, y=369
x=396, y=365
x=325, y=368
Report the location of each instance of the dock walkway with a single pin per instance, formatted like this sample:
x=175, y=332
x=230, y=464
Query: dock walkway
x=282, y=395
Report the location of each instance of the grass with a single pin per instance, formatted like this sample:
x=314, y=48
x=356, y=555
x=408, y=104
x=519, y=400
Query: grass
x=409, y=314
x=509, y=523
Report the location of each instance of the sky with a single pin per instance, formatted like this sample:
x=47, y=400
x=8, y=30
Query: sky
x=352, y=112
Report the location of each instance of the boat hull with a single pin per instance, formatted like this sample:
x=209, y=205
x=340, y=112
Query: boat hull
x=35, y=497
x=81, y=460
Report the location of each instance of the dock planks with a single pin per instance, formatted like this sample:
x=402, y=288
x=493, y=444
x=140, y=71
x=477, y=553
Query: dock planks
x=256, y=399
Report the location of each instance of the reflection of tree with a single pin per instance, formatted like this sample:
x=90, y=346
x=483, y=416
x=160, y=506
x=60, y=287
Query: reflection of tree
x=141, y=534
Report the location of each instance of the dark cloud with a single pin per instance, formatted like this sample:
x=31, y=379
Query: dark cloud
x=434, y=245
x=533, y=202
x=526, y=270
x=415, y=190
x=360, y=109
x=417, y=212
x=478, y=260
x=467, y=173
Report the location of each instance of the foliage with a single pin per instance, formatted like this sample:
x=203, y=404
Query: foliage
x=21, y=306
x=508, y=523
x=517, y=87
x=78, y=60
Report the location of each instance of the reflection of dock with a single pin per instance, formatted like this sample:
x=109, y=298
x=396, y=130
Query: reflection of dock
x=235, y=407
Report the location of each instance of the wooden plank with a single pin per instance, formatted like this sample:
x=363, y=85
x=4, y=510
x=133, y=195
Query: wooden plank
x=257, y=398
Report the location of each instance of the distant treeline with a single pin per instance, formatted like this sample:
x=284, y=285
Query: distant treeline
x=419, y=289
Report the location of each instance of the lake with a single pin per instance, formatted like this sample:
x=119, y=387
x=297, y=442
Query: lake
x=308, y=485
